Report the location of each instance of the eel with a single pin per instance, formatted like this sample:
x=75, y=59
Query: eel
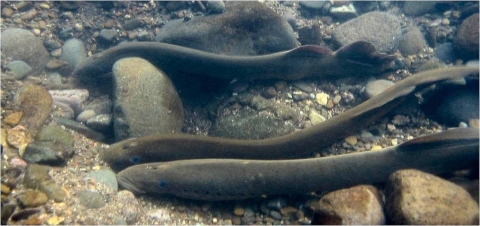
x=169, y=147
x=232, y=179
x=360, y=58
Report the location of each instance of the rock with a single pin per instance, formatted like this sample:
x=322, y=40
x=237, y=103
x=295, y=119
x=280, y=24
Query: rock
x=75, y=98
x=90, y=199
x=19, y=68
x=73, y=52
x=417, y=8
x=32, y=198
x=133, y=208
x=146, y=102
x=313, y=4
x=51, y=45
x=322, y=98
x=100, y=122
x=13, y=119
x=7, y=12
x=430, y=66
x=303, y=86
x=36, y=104
x=351, y=140
x=344, y=12
x=132, y=24
x=106, y=177
x=415, y=197
x=411, y=42
x=311, y=35
x=101, y=105
x=215, y=6
x=21, y=44
x=36, y=177
x=316, y=117
x=444, y=52
x=91, y=134
x=55, y=133
x=7, y=209
x=19, y=136
x=381, y=29
x=85, y=115
x=107, y=35
x=466, y=41
x=375, y=87
x=245, y=28
x=48, y=152
x=353, y=206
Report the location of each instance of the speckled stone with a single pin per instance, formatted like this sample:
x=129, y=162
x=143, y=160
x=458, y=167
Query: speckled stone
x=32, y=198
x=353, y=206
x=466, y=41
x=415, y=197
x=48, y=152
x=412, y=41
x=90, y=199
x=36, y=103
x=146, y=102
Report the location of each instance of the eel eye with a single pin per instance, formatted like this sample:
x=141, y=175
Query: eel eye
x=135, y=159
x=162, y=183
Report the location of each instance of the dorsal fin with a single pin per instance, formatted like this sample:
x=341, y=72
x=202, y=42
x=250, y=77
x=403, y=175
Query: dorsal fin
x=365, y=54
x=310, y=51
x=447, y=138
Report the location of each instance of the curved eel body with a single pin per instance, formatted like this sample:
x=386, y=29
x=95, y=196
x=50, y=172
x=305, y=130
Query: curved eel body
x=305, y=61
x=169, y=147
x=230, y=179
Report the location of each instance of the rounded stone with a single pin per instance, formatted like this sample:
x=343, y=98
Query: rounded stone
x=374, y=88
x=412, y=42
x=36, y=103
x=132, y=24
x=73, y=52
x=417, y=8
x=415, y=197
x=19, y=68
x=215, y=6
x=32, y=198
x=90, y=199
x=466, y=41
x=21, y=44
x=146, y=102
x=106, y=177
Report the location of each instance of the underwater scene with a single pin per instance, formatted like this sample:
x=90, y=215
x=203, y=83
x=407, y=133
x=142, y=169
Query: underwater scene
x=239, y=112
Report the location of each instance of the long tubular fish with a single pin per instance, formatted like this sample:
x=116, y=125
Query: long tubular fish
x=168, y=147
x=357, y=58
x=230, y=179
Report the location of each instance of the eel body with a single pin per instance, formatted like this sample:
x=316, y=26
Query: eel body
x=169, y=147
x=305, y=61
x=230, y=179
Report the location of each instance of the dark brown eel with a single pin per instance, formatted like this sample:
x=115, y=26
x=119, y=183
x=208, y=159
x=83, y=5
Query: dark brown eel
x=358, y=58
x=229, y=179
x=168, y=147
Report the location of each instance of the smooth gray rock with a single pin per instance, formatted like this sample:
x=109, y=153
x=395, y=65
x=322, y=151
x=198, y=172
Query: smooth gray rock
x=73, y=51
x=21, y=44
x=106, y=177
x=90, y=199
x=145, y=102
x=215, y=6
x=48, y=152
x=313, y=4
x=417, y=8
x=245, y=28
x=412, y=41
x=100, y=122
x=108, y=35
x=19, y=68
x=132, y=24
x=375, y=87
x=383, y=30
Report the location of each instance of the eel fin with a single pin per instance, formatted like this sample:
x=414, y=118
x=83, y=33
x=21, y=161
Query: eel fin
x=448, y=138
x=364, y=54
x=310, y=51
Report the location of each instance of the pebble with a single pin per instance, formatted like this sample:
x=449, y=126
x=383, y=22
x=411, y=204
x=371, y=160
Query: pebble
x=55, y=133
x=466, y=41
x=381, y=29
x=159, y=214
x=277, y=203
x=151, y=105
x=351, y=140
x=19, y=68
x=90, y=199
x=238, y=211
x=52, y=153
x=7, y=12
x=106, y=177
x=85, y=115
x=29, y=15
x=280, y=86
x=100, y=122
x=36, y=104
x=13, y=118
x=312, y=4
x=73, y=52
x=44, y=6
x=322, y=98
x=275, y=215
x=444, y=52
x=357, y=205
x=37, y=177
x=75, y=98
x=303, y=86
x=344, y=11
x=412, y=41
x=89, y=133
x=412, y=8
x=415, y=197
x=132, y=24
x=32, y=198
x=375, y=87
x=269, y=92
x=67, y=15
x=7, y=211
x=108, y=35
x=21, y=44
x=132, y=209
x=310, y=35
x=315, y=117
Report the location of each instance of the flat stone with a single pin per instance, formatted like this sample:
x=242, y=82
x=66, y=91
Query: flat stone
x=245, y=28
x=100, y=122
x=13, y=119
x=315, y=117
x=90, y=199
x=36, y=104
x=415, y=197
x=19, y=68
x=417, y=8
x=89, y=133
x=106, y=177
x=48, y=152
x=55, y=133
x=146, y=102
x=132, y=24
x=383, y=30
x=32, y=198
x=358, y=205
x=75, y=98
x=375, y=87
